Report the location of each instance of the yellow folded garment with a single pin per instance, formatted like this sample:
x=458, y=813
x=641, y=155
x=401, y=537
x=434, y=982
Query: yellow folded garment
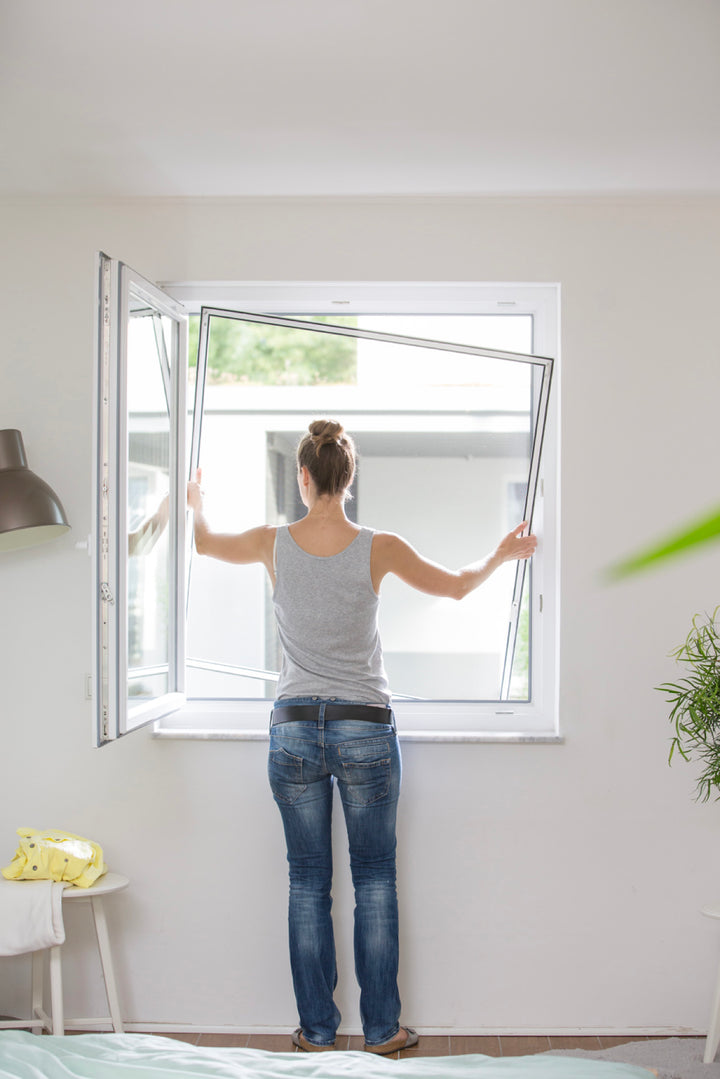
x=56, y=855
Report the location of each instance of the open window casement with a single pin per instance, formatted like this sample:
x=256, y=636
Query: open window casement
x=140, y=499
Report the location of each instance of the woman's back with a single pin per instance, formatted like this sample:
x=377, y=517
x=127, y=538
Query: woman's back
x=326, y=611
x=324, y=535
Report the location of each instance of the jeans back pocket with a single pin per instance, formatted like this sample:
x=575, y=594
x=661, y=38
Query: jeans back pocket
x=366, y=770
x=285, y=773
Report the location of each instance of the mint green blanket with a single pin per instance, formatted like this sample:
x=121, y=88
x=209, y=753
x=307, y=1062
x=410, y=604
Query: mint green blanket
x=142, y=1056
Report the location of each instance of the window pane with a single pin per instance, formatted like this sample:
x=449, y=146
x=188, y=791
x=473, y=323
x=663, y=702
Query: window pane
x=444, y=439
x=252, y=354
x=149, y=563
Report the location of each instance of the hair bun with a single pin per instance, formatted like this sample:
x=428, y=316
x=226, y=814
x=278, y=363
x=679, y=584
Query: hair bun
x=333, y=469
x=326, y=433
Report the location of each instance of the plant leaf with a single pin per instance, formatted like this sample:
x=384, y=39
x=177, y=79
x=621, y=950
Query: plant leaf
x=695, y=703
x=702, y=531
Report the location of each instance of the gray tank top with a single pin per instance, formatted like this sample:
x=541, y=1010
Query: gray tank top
x=326, y=610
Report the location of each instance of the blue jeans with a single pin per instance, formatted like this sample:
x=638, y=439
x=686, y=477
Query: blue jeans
x=306, y=759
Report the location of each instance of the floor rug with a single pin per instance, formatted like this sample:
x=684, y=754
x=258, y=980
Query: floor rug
x=672, y=1058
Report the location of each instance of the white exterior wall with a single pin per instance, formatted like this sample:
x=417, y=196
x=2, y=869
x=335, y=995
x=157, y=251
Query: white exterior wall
x=543, y=887
x=419, y=499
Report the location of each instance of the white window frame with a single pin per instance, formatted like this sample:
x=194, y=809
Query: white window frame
x=440, y=721
x=115, y=714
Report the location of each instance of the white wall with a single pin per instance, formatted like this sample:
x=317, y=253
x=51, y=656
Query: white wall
x=543, y=887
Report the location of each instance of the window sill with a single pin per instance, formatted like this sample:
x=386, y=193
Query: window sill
x=428, y=721
x=496, y=737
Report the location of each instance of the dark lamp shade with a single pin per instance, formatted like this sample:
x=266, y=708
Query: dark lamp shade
x=30, y=511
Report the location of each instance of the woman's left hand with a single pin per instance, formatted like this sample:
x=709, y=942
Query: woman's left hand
x=515, y=546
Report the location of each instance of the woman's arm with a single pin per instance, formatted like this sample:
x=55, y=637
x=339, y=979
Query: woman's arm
x=243, y=548
x=391, y=554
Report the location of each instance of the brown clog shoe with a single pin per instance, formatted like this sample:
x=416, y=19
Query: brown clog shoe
x=301, y=1041
x=405, y=1038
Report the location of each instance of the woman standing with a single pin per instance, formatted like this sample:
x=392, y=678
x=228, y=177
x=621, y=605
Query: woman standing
x=332, y=723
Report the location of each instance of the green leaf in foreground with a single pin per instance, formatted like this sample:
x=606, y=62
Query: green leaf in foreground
x=702, y=531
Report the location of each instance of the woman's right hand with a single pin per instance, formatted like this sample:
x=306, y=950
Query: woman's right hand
x=195, y=493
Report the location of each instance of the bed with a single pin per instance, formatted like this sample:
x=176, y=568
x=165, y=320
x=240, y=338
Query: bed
x=141, y=1056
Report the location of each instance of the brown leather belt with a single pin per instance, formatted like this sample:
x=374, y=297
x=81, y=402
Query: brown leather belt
x=310, y=713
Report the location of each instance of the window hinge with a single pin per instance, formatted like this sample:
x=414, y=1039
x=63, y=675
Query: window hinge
x=540, y=603
x=105, y=594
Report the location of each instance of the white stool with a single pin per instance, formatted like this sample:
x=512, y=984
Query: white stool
x=713, y=1036
x=95, y=894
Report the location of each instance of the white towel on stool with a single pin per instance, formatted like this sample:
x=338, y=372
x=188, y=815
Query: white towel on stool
x=30, y=915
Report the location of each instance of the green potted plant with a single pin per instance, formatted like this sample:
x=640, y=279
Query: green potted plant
x=695, y=700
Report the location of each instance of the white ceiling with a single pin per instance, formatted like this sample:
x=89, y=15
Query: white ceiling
x=359, y=97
